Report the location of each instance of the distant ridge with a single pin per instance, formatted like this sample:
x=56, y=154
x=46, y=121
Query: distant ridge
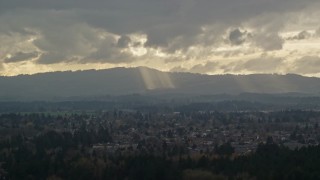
x=142, y=80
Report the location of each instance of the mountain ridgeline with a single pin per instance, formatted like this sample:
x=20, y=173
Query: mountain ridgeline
x=146, y=81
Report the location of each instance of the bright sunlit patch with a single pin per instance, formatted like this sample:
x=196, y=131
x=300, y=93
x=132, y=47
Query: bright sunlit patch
x=155, y=80
x=8, y=56
x=138, y=51
x=274, y=85
x=303, y=45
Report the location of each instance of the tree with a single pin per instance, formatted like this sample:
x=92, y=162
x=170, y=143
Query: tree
x=224, y=150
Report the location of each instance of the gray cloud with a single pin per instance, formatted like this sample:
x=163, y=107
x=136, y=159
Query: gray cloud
x=262, y=64
x=109, y=53
x=317, y=33
x=237, y=37
x=301, y=36
x=21, y=56
x=64, y=43
x=106, y=49
x=124, y=41
x=205, y=68
x=307, y=65
x=208, y=67
x=53, y=57
x=178, y=69
x=72, y=31
x=268, y=41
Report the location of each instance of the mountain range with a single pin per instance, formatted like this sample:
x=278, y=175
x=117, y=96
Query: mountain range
x=142, y=80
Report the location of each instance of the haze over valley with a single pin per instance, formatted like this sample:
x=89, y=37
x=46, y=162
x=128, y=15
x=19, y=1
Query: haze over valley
x=146, y=81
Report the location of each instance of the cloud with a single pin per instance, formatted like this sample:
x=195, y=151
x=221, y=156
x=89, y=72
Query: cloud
x=208, y=67
x=262, y=64
x=14, y=43
x=166, y=22
x=81, y=31
x=317, y=33
x=53, y=57
x=307, y=65
x=268, y=41
x=301, y=36
x=21, y=56
x=178, y=69
x=124, y=41
x=65, y=43
x=237, y=37
x=111, y=53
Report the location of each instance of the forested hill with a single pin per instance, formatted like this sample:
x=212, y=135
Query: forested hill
x=122, y=81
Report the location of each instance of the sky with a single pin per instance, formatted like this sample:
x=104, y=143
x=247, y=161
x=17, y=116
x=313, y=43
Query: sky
x=198, y=36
